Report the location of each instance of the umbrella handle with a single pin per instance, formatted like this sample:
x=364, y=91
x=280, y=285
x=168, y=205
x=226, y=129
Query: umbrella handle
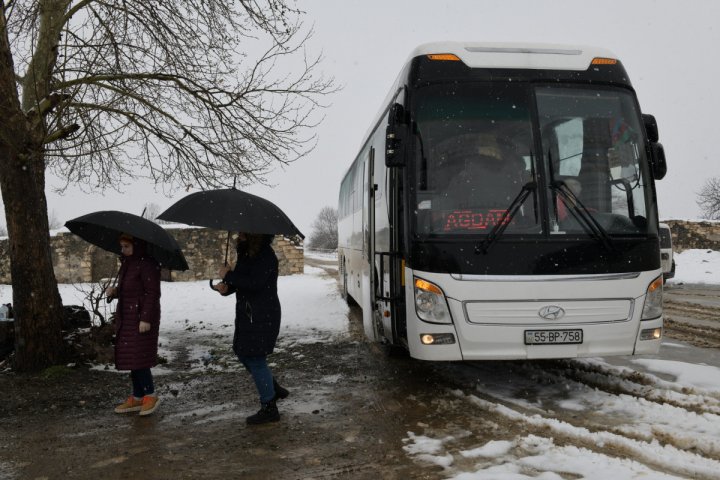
x=211, y=284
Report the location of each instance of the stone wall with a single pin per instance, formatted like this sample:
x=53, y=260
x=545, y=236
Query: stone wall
x=76, y=261
x=694, y=234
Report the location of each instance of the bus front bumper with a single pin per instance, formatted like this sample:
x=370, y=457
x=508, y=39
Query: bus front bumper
x=497, y=342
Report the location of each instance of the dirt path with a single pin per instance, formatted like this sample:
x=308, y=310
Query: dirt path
x=351, y=412
x=346, y=416
x=693, y=316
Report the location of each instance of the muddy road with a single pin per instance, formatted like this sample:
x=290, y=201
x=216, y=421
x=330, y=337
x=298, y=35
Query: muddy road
x=354, y=412
x=692, y=314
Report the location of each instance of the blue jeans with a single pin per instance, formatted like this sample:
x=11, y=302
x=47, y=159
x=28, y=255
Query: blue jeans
x=142, y=382
x=258, y=368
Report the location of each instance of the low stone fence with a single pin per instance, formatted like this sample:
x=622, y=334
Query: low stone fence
x=694, y=234
x=76, y=261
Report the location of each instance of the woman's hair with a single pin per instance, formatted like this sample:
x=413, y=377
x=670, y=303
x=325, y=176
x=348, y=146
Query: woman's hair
x=126, y=237
x=254, y=243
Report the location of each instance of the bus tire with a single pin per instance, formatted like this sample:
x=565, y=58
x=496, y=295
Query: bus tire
x=395, y=351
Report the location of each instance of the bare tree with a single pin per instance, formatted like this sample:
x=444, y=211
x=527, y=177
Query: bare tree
x=324, y=235
x=708, y=199
x=190, y=93
x=94, y=297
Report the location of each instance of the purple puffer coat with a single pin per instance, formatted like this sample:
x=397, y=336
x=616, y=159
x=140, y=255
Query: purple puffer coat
x=138, y=300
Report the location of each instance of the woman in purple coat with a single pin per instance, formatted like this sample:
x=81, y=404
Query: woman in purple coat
x=137, y=323
x=257, y=317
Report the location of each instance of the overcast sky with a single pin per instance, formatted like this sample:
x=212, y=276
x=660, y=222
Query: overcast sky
x=668, y=48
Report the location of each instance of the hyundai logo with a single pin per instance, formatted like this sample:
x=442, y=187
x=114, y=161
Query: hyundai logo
x=551, y=312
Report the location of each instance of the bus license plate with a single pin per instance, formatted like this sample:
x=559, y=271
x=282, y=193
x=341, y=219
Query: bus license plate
x=553, y=337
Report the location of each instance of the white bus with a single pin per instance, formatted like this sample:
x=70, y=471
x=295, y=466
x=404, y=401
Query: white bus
x=503, y=206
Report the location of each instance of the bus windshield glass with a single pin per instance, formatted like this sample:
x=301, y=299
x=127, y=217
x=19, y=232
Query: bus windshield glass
x=593, y=146
x=476, y=152
x=476, y=155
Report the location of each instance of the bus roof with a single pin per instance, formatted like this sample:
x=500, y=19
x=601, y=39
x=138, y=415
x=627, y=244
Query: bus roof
x=516, y=55
x=538, y=56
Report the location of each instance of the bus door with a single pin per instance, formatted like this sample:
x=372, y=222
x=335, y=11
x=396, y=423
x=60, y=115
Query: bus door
x=376, y=220
x=375, y=316
x=387, y=274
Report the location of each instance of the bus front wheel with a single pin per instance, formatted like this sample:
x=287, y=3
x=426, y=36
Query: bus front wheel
x=393, y=350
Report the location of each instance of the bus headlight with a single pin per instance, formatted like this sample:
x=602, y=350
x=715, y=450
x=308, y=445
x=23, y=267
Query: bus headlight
x=430, y=303
x=653, y=300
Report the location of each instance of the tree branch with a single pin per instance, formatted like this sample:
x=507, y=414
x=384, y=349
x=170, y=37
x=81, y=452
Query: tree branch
x=61, y=133
x=183, y=91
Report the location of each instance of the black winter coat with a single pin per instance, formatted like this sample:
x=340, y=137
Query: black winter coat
x=257, y=310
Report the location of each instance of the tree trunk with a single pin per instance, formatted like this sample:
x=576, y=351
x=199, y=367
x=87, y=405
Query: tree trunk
x=36, y=301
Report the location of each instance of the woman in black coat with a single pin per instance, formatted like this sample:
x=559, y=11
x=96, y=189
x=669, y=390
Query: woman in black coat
x=257, y=316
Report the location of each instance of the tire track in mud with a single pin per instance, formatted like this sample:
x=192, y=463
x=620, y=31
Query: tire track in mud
x=647, y=389
x=624, y=381
x=651, y=453
x=697, y=335
x=660, y=449
x=694, y=310
x=679, y=324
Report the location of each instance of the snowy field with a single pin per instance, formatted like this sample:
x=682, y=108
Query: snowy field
x=697, y=266
x=664, y=414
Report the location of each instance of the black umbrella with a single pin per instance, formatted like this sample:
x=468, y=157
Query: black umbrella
x=104, y=228
x=232, y=210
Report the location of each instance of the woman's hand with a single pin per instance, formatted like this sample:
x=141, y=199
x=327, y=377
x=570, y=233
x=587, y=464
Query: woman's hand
x=221, y=287
x=110, y=293
x=144, y=327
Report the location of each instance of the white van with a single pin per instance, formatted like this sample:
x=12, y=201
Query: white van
x=666, y=252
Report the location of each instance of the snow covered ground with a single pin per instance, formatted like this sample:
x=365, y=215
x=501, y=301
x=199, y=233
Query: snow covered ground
x=587, y=417
x=697, y=266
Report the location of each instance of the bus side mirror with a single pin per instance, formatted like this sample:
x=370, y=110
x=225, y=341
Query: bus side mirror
x=651, y=128
x=659, y=165
x=657, y=152
x=395, y=137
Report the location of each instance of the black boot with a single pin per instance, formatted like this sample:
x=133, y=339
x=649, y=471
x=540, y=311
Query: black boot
x=267, y=413
x=280, y=392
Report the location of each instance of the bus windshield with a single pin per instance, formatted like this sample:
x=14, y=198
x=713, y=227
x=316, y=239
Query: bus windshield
x=476, y=153
x=592, y=145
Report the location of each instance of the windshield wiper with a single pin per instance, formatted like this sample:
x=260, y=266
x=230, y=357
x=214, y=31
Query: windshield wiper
x=505, y=220
x=583, y=215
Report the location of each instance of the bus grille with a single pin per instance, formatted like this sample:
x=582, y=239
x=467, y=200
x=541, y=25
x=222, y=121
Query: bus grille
x=573, y=312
